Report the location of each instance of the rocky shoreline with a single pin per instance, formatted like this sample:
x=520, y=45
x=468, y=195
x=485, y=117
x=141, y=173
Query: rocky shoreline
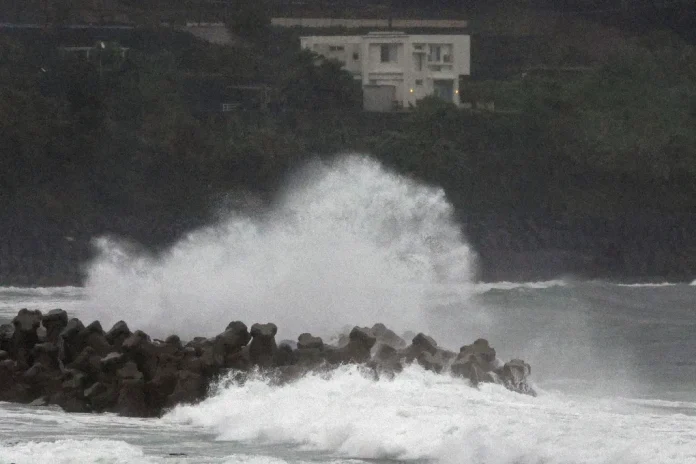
x=51, y=359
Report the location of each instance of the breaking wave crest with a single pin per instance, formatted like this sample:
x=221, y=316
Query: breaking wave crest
x=424, y=416
x=348, y=243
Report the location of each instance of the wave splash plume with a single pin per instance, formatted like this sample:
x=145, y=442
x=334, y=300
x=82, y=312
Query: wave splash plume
x=347, y=243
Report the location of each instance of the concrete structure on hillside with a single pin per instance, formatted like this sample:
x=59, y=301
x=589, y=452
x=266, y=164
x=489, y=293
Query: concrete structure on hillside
x=96, y=50
x=398, y=69
x=351, y=23
x=216, y=33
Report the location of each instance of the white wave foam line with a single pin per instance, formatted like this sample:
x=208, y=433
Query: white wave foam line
x=649, y=285
x=455, y=294
x=258, y=459
x=349, y=243
x=466, y=289
x=43, y=298
x=488, y=286
x=253, y=459
x=420, y=415
x=655, y=403
x=43, y=291
x=26, y=420
x=73, y=452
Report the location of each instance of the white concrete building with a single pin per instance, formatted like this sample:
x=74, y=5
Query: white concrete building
x=397, y=69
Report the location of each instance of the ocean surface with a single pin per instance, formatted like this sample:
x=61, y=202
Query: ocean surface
x=352, y=244
x=615, y=366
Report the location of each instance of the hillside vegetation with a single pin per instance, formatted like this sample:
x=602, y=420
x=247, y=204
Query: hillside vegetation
x=598, y=168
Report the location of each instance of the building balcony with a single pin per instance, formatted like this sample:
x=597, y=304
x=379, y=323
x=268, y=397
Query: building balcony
x=386, y=69
x=439, y=67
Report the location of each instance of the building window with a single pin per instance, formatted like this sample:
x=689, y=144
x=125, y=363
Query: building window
x=387, y=53
x=435, y=53
x=336, y=48
x=356, y=56
x=419, y=82
x=418, y=61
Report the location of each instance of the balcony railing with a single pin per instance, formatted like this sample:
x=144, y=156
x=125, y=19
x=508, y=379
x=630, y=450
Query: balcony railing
x=444, y=59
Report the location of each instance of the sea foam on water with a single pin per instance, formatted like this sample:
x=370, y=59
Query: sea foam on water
x=427, y=417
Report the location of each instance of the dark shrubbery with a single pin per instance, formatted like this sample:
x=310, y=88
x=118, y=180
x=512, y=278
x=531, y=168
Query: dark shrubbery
x=114, y=144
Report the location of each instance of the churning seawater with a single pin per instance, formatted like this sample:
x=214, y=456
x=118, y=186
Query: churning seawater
x=351, y=244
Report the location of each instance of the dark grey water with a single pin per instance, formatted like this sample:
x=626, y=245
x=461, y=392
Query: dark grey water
x=601, y=338
x=616, y=367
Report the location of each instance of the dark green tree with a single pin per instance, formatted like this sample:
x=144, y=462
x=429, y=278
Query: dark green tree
x=250, y=19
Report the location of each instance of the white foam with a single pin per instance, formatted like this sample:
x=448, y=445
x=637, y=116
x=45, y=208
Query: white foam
x=488, y=286
x=349, y=243
x=42, y=291
x=650, y=285
x=261, y=459
x=253, y=459
x=73, y=452
x=420, y=415
x=681, y=406
x=462, y=292
x=13, y=299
